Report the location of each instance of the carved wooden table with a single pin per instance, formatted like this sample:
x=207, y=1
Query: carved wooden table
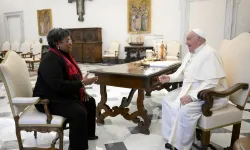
x=139, y=52
x=141, y=78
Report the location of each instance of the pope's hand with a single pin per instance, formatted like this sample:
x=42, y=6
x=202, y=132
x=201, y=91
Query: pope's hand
x=164, y=78
x=186, y=99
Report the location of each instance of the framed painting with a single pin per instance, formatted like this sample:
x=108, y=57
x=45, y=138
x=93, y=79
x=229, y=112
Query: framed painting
x=139, y=16
x=44, y=18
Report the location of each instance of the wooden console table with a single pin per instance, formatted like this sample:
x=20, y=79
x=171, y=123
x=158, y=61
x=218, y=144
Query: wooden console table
x=141, y=78
x=139, y=52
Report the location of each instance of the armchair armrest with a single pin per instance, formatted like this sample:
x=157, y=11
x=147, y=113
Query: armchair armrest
x=209, y=94
x=106, y=52
x=34, y=55
x=32, y=101
x=116, y=53
x=25, y=100
x=45, y=103
x=24, y=55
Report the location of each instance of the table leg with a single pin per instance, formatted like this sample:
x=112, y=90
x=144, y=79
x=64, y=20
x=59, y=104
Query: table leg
x=136, y=116
x=126, y=101
x=142, y=112
x=102, y=105
x=148, y=93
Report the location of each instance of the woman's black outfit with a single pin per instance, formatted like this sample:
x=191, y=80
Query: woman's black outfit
x=54, y=83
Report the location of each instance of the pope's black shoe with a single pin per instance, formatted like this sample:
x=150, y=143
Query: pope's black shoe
x=169, y=146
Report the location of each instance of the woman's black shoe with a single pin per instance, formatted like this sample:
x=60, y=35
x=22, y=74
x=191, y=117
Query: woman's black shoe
x=93, y=137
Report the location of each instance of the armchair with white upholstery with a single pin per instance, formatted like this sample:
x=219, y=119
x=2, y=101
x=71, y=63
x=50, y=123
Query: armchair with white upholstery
x=36, y=49
x=173, y=50
x=113, y=51
x=235, y=56
x=25, y=50
x=15, y=46
x=5, y=48
x=15, y=76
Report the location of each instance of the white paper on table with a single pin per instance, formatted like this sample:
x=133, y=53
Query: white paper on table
x=163, y=64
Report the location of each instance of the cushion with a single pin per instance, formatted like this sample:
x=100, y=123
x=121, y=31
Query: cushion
x=221, y=117
x=32, y=117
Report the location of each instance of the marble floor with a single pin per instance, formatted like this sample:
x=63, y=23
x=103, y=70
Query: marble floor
x=117, y=133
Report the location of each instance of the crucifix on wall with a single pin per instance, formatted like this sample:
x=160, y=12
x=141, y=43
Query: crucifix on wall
x=80, y=9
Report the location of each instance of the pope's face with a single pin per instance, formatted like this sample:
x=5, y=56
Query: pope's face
x=192, y=41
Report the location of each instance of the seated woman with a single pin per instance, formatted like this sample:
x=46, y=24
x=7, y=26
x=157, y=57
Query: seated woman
x=60, y=80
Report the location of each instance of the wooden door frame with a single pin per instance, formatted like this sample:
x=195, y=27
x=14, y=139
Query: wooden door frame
x=14, y=14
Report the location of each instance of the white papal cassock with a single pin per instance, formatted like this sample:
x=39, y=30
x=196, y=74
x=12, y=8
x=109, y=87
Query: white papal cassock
x=201, y=70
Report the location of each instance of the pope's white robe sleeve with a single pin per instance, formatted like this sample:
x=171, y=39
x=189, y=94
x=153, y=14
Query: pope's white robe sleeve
x=178, y=76
x=212, y=83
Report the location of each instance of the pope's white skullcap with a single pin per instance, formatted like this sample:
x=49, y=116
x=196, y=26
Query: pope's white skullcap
x=199, y=32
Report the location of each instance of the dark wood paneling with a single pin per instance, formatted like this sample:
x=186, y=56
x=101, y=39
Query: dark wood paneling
x=87, y=44
x=77, y=52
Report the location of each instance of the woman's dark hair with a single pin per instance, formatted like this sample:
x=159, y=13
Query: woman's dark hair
x=56, y=35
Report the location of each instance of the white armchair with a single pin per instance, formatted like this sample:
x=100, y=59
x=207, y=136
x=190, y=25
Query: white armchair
x=173, y=50
x=15, y=46
x=113, y=51
x=25, y=50
x=5, y=48
x=15, y=76
x=36, y=49
x=235, y=56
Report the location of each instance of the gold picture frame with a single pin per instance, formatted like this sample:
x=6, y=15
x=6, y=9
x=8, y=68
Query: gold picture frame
x=139, y=16
x=44, y=18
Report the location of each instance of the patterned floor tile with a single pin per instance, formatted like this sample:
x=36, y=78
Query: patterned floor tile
x=116, y=146
x=5, y=114
x=10, y=145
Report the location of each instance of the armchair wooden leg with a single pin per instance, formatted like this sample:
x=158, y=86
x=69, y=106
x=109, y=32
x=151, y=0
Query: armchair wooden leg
x=54, y=141
x=60, y=134
x=19, y=139
x=205, y=140
x=35, y=134
x=32, y=67
x=235, y=133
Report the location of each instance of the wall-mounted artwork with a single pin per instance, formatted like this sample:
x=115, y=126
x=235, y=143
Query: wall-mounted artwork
x=139, y=16
x=44, y=18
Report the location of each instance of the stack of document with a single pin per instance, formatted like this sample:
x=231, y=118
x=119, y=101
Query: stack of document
x=163, y=64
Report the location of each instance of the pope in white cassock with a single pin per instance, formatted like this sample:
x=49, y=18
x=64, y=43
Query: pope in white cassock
x=201, y=68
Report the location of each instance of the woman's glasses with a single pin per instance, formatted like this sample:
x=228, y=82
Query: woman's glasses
x=68, y=41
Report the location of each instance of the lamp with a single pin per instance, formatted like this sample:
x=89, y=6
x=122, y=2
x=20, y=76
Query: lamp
x=155, y=38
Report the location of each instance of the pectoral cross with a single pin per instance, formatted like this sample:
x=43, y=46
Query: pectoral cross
x=79, y=8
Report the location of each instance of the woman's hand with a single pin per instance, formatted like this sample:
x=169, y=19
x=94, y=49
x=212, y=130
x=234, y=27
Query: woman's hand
x=88, y=81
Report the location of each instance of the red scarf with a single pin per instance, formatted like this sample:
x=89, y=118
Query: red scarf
x=72, y=69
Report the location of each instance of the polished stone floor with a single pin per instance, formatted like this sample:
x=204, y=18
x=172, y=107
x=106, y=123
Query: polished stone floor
x=117, y=133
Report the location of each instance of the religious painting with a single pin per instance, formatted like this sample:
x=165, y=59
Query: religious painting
x=139, y=16
x=44, y=18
